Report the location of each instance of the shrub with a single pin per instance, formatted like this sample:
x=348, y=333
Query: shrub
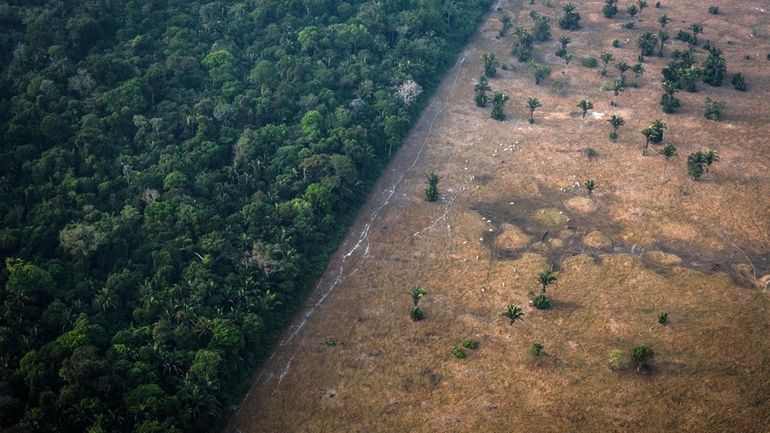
x=616, y=43
x=642, y=355
x=457, y=352
x=629, y=25
x=330, y=342
x=470, y=344
x=662, y=317
x=739, y=82
x=618, y=359
x=713, y=110
x=417, y=294
x=416, y=314
x=589, y=62
x=610, y=8
x=714, y=10
x=571, y=19
x=536, y=350
x=658, y=5
x=590, y=152
x=685, y=36
x=541, y=302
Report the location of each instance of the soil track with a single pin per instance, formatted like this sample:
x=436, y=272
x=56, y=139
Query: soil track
x=649, y=239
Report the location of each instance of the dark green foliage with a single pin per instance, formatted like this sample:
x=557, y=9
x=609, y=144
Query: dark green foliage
x=431, y=192
x=590, y=153
x=498, y=102
x=713, y=10
x=470, y=344
x=685, y=36
x=541, y=302
x=564, y=40
x=589, y=62
x=505, y=20
x=416, y=314
x=523, y=47
x=668, y=101
x=642, y=355
x=697, y=160
x=536, y=350
x=632, y=10
x=616, y=121
x=490, y=64
x=173, y=179
x=646, y=44
x=330, y=342
x=417, y=293
x=739, y=82
x=532, y=104
x=590, y=186
x=662, y=317
x=571, y=18
x=513, y=313
x=629, y=25
x=480, y=92
x=657, y=127
x=713, y=110
x=539, y=71
x=606, y=57
x=610, y=8
x=541, y=31
x=714, y=68
x=616, y=43
x=457, y=352
x=584, y=106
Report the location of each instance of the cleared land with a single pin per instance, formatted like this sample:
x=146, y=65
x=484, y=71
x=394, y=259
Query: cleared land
x=511, y=206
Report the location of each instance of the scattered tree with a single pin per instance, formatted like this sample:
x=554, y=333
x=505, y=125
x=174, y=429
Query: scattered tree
x=416, y=314
x=417, y=293
x=610, y=8
x=695, y=163
x=711, y=157
x=646, y=44
x=669, y=150
x=606, y=57
x=632, y=11
x=541, y=302
x=585, y=105
x=539, y=71
x=638, y=70
x=642, y=5
x=431, y=192
x=642, y=355
x=480, y=89
x=669, y=102
x=536, y=350
x=571, y=18
x=498, y=101
x=616, y=121
x=662, y=317
x=513, y=313
x=714, y=68
x=663, y=20
x=590, y=186
x=713, y=110
x=505, y=20
x=490, y=63
x=739, y=82
x=470, y=344
x=457, y=352
x=563, y=42
x=523, y=47
x=542, y=28
x=618, y=359
x=697, y=28
x=623, y=67
x=533, y=104
x=546, y=278
x=663, y=37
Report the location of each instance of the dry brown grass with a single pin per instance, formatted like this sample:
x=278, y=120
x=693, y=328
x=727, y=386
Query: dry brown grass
x=666, y=235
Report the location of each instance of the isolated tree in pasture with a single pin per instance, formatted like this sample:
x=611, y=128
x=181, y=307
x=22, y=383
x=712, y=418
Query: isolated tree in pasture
x=490, y=63
x=590, y=186
x=585, y=105
x=616, y=87
x=647, y=132
x=688, y=78
x=563, y=42
x=610, y=8
x=657, y=131
x=713, y=110
x=523, y=47
x=541, y=30
x=668, y=101
x=539, y=71
x=505, y=20
x=571, y=18
x=663, y=37
x=513, y=313
x=498, y=102
x=646, y=44
x=642, y=355
x=642, y=5
x=663, y=20
x=533, y=104
x=480, y=90
x=623, y=67
x=669, y=150
x=697, y=28
x=638, y=70
x=714, y=68
x=546, y=278
x=739, y=82
x=616, y=121
x=695, y=163
x=417, y=293
x=711, y=157
x=431, y=192
x=632, y=11
x=606, y=57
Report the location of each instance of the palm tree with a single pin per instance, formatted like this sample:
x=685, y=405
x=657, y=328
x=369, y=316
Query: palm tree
x=623, y=67
x=646, y=44
x=695, y=163
x=711, y=157
x=417, y=294
x=616, y=121
x=513, y=313
x=546, y=278
x=632, y=10
x=498, y=101
x=606, y=57
x=663, y=20
x=617, y=87
x=638, y=70
x=642, y=355
x=647, y=132
x=490, y=64
x=585, y=105
x=431, y=193
x=697, y=28
x=533, y=103
x=657, y=131
x=481, y=88
x=642, y=5
x=590, y=186
x=668, y=151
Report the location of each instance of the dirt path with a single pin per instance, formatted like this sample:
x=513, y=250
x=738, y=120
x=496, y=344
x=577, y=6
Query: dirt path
x=512, y=205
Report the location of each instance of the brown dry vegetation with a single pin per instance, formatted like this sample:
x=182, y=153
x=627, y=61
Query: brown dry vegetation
x=644, y=242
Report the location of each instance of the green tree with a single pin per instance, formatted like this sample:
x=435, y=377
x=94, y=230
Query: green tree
x=606, y=57
x=431, y=192
x=610, y=8
x=713, y=110
x=646, y=44
x=513, y=313
x=669, y=102
x=590, y=186
x=480, y=89
x=533, y=104
x=616, y=121
x=585, y=105
x=417, y=293
x=571, y=18
x=714, y=68
x=498, y=102
x=546, y=278
x=669, y=150
x=642, y=355
x=490, y=63
x=697, y=28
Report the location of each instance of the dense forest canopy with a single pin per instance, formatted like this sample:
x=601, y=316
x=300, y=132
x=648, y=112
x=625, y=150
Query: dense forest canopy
x=173, y=176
